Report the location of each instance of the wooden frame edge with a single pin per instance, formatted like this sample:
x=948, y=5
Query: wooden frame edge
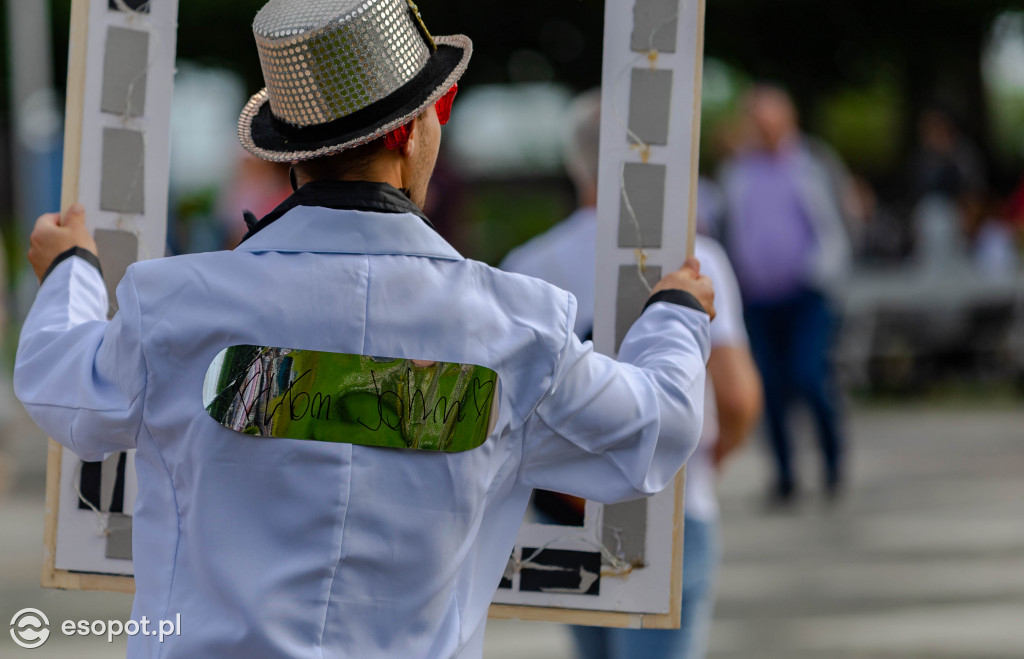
x=73, y=113
x=698, y=94
x=75, y=105
x=673, y=618
x=50, y=578
x=566, y=616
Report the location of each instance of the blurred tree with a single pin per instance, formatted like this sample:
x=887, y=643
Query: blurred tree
x=930, y=49
x=215, y=32
x=544, y=37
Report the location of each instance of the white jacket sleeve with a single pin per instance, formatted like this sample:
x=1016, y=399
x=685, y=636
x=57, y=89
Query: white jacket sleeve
x=611, y=430
x=82, y=378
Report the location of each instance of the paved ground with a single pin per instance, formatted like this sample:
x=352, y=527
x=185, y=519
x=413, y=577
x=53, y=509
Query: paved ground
x=924, y=558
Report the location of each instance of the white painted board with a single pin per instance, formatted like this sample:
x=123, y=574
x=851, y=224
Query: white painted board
x=129, y=77
x=649, y=143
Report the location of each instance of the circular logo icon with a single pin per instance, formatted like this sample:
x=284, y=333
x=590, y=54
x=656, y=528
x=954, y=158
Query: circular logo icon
x=29, y=628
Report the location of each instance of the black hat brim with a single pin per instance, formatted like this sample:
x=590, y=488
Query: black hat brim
x=268, y=138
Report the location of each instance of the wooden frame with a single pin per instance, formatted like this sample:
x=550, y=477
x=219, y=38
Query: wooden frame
x=698, y=84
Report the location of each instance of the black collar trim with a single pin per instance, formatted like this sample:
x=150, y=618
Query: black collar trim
x=344, y=195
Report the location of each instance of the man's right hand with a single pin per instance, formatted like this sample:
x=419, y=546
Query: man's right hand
x=54, y=234
x=689, y=279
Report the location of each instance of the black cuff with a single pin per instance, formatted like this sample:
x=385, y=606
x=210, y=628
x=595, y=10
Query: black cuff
x=676, y=296
x=81, y=253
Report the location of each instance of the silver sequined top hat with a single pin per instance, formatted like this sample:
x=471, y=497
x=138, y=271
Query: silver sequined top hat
x=342, y=73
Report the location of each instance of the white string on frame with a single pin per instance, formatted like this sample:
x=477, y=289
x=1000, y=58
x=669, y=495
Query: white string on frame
x=103, y=519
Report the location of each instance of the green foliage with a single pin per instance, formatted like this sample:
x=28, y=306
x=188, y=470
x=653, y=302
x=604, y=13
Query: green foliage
x=1008, y=123
x=864, y=124
x=507, y=216
x=829, y=54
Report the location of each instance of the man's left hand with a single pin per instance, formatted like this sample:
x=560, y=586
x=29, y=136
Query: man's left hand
x=55, y=234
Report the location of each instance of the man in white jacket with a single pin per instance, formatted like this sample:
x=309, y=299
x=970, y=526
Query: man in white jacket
x=374, y=517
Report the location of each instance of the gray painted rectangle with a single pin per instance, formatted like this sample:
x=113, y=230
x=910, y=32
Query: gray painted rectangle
x=119, y=537
x=624, y=531
x=124, y=72
x=655, y=25
x=650, y=105
x=117, y=251
x=631, y=297
x=645, y=191
x=123, y=175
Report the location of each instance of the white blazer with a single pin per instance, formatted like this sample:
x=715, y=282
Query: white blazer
x=286, y=548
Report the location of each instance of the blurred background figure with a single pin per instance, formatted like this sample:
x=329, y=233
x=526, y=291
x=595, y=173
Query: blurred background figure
x=948, y=186
x=947, y=163
x=1015, y=210
x=787, y=239
x=257, y=187
x=565, y=256
x=446, y=201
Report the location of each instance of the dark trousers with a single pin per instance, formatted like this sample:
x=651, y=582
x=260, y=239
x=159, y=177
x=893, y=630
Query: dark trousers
x=791, y=340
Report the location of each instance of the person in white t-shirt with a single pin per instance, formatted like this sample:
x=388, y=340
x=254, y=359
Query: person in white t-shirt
x=565, y=256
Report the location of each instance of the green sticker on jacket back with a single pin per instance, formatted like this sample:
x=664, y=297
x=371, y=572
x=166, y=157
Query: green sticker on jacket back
x=352, y=399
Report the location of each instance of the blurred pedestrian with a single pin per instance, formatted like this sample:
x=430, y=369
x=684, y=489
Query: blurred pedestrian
x=257, y=188
x=947, y=163
x=446, y=201
x=785, y=235
x=949, y=187
x=566, y=257
x=993, y=240
x=1015, y=208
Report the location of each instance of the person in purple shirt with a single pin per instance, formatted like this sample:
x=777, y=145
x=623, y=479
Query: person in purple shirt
x=785, y=234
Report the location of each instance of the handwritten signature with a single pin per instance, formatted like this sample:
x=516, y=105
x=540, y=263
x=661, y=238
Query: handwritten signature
x=441, y=405
x=301, y=404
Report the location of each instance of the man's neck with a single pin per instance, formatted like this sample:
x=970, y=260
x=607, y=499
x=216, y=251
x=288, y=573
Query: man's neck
x=393, y=181
x=378, y=170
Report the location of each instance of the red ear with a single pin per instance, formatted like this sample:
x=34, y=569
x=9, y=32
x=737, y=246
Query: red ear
x=444, y=105
x=399, y=137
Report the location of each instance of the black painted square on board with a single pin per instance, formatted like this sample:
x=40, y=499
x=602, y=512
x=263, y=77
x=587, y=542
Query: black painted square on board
x=560, y=571
x=134, y=5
